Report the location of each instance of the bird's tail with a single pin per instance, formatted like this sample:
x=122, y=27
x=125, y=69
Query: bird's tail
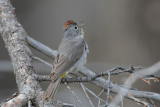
x=52, y=89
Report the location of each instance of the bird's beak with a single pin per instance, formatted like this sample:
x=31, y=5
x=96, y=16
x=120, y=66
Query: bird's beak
x=80, y=25
x=82, y=32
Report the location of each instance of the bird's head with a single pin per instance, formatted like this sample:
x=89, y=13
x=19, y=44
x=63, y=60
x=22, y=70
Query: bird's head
x=73, y=29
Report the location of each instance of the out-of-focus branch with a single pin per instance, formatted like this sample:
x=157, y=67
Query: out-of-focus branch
x=100, y=81
x=38, y=46
x=117, y=89
x=128, y=83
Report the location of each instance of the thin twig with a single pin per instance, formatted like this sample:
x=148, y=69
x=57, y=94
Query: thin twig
x=41, y=78
x=89, y=79
x=129, y=82
x=140, y=102
x=112, y=71
x=41, y=60
x=99, y=102
x=94, y=95
x=121, y=101
x=29, y=103
x=108, y=90
x=100, y=93
x=155, y=76
x=79, y=101
x=83, y=87
x=152, y=102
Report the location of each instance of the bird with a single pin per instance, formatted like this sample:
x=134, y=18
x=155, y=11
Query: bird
x=71, y=56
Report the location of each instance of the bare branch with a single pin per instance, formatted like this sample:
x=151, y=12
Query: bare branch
x=89, y=79
x=102, y=83
x=83, y=87
x=29, y=103
x=43, y=78
x=145, y=104
x=94, y=95
x=76, y=97
x=85, y=79
x=147, y=71
x=14, y=37
x=38, y=46
x=108, y=89
x=17, y=101
x=41, y=60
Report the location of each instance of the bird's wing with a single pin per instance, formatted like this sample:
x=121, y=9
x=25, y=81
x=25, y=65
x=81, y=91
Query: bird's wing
x=68, y=54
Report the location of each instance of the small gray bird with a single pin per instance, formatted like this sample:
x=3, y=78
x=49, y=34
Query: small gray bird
x=71, y=56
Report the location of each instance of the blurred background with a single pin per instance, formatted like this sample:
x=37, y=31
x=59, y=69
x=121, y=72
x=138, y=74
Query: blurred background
x=118, y=32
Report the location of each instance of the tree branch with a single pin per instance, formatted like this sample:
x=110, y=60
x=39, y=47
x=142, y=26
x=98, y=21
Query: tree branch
x=129, y=82
x=38, y=46
x=17, y=101
x=88, y=79
x=100, y=81
x=145, y=104
x=14, y=37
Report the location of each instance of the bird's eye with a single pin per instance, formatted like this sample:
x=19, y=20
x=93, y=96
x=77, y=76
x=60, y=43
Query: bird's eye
x=75, y=27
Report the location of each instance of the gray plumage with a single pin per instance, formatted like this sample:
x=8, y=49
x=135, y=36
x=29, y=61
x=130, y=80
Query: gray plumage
x=71, y=56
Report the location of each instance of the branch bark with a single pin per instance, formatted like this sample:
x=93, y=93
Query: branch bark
x=14, y=37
